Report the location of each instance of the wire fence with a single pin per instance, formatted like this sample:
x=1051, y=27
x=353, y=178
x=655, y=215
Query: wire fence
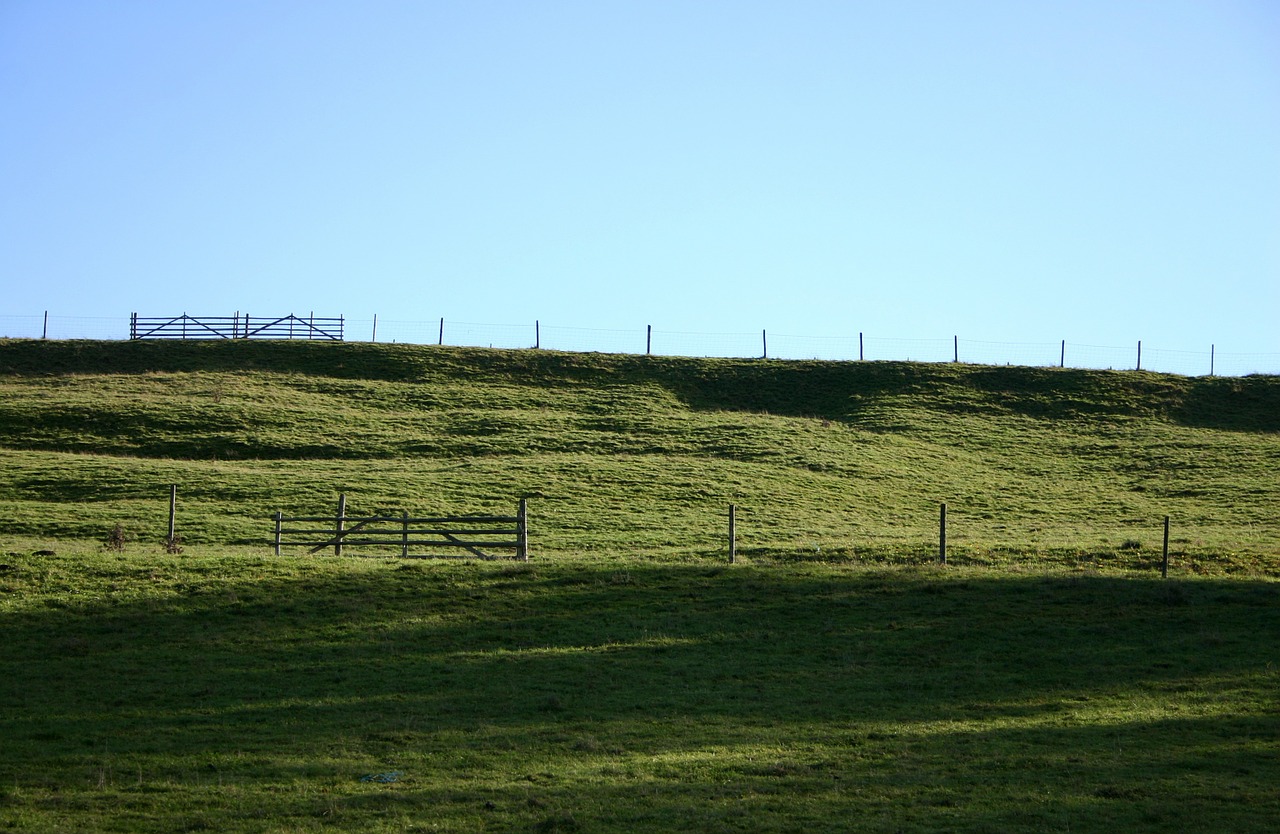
x=756, y=344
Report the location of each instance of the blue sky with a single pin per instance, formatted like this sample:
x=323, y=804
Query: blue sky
x=1028, y=171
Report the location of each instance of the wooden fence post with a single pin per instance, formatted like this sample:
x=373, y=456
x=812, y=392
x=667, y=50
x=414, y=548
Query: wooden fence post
x=173, y=512
x=942, y=535
x=404, y=535
x=342, y=515
x=1062, y=362
x=648, y=340
x=733, y=534
x=1164, y=559
x=522, y=531
x=1139, y=355
x=537, y=334
x=279, y=520
x=764, y=340
x=1212, y=349
x=859, y=346
x=957, y=348
x=135, y=317
x=442, y=330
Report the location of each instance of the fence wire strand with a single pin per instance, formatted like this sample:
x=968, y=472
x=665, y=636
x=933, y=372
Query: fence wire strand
x=757, y=344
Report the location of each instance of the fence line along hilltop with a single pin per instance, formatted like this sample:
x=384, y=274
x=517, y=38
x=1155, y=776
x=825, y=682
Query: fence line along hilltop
x=646, y=340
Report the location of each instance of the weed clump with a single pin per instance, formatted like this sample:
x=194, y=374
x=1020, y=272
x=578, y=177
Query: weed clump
x=116, y=539
x=559, y=821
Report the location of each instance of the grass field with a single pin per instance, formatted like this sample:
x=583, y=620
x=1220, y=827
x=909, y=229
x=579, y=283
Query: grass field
x=243, y=693
x=628, y=678
x=640, y=454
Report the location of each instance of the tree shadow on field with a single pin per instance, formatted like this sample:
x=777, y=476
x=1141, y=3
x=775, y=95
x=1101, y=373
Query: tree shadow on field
x=648, y=671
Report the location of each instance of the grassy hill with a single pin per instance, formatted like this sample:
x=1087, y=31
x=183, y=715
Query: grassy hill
x=641, y=454
x=628, y=679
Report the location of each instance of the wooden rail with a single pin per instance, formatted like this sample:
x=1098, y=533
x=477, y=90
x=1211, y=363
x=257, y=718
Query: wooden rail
x=236, y=327
x=474, y=534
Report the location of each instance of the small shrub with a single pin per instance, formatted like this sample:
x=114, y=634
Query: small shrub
x=1131, y=544
x=116, y=539
x=173, y=544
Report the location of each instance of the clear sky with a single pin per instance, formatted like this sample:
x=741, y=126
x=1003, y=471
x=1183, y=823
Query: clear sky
x=1021, y=171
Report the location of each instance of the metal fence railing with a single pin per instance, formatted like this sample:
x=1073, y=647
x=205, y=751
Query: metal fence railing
x=235, y=327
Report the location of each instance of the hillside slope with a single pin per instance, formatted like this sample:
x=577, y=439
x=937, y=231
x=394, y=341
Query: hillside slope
x=639, y=453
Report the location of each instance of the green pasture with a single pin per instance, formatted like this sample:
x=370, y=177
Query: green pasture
x=229, y=691
x=628, y=678
x=640, y=455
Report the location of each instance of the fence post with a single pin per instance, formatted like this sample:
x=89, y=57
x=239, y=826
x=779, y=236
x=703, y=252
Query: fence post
x=764, y=340
x=733, y=534
x=441, y=330
x=1062, y=363
x=1164, y=559
x=859, y=346
x=404, y=535
x=173, y=511
x=942, y=535
x=537, y=334
x=522, y=531
x=375, y=327
x=648, y=340
x=957, y=348
x=342, y=515
x=45, y=335
x=1139, y=354
x=279, y=519
x=1212, y=348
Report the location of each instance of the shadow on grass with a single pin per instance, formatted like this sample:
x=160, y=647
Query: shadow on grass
x=638, y=696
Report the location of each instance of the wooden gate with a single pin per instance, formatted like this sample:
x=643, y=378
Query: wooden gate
x=409, y=536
